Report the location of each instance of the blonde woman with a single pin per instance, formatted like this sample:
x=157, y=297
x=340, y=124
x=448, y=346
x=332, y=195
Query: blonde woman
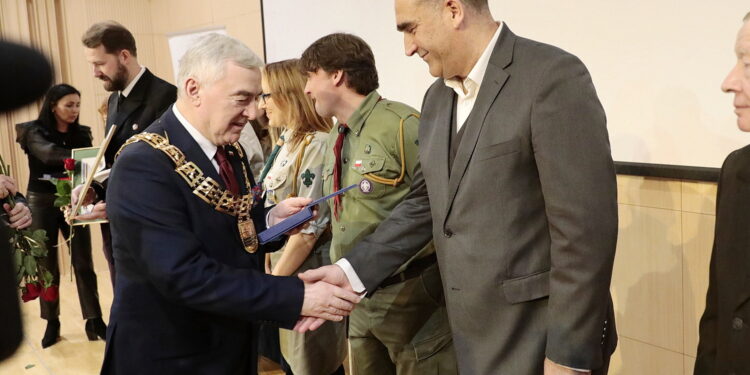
x=294, y=169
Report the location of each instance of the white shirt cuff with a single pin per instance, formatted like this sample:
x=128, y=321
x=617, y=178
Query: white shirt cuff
x=354, y=280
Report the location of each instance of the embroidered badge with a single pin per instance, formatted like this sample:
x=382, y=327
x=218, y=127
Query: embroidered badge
x=365, y=186
x=307, y=178
x=358, y=164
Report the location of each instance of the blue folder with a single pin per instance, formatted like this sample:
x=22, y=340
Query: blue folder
x=297, y=219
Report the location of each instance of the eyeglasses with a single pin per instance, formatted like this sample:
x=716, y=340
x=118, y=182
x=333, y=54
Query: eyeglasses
x=264, y=97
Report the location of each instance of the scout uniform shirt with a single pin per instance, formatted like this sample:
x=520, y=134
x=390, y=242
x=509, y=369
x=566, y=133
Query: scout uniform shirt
x=372, y=145
x=278, y=184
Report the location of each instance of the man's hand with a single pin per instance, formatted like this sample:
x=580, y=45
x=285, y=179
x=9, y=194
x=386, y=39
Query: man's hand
x=552, y=368
x=87, y=199
x=99, y=212
x=19, y=216
x=326, y=301
x=331, y=274
x=7, y=186
x=286, y=208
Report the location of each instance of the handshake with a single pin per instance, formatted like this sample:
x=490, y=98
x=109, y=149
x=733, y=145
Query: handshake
x=328, y=293
x=328, y=296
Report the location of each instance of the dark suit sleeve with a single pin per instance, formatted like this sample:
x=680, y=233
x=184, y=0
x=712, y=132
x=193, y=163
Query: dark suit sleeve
x=705, y=361
x=399, y=237
x=152, y=228
x=572, y=154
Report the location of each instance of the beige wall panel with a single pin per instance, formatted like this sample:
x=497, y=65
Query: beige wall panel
x=223, y=9
x=647, y=278
x=146, y=54
x=699, y=197
x=180, y=15
x=697, y=237
x=163, y=59
x=637, y=358
x=689, y=363
x=648, y=192
x=81, y=75
x=133, y=14
x=246, y=28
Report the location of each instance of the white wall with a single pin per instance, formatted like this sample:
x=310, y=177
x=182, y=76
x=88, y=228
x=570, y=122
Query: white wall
x=657, y=65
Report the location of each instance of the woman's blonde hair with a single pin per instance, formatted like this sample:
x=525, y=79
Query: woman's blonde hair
x=287, y=85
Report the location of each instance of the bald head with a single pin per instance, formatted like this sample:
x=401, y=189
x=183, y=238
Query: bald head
x=477, y=5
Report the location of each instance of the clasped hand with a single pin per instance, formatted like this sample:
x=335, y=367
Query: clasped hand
x=334, y=277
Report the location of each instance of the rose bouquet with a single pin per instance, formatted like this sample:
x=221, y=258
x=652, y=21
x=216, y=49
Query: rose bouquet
x=28, y=249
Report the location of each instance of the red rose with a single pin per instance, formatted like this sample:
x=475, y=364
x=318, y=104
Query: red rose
x=70, y=164
x=30, y=292
x=34, y=289
x=50, y=294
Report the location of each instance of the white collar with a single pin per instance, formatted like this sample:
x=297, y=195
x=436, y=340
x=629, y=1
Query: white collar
x=208, y=148
x=474, y=79
x=128, y=89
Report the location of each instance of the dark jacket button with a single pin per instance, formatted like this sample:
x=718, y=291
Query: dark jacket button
x=738, y=324
x=447, y=233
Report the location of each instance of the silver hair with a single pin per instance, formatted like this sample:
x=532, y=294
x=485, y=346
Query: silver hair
x=205, y=60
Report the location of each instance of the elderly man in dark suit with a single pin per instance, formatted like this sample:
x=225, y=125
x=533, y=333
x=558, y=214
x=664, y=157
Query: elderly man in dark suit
x=138, y=98
x=518, y=189
x=725, y=325
x=184, y=224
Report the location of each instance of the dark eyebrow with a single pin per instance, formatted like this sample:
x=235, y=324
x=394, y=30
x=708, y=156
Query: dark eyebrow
x=404, y=26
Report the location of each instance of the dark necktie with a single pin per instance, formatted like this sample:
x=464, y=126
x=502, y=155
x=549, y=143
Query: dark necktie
x=226, y=171
x=120, y=99
x=343, y=129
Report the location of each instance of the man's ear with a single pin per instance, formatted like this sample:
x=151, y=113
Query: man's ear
x=454, y=10
x=192, y=90
x=124, y=56
x=338, y=77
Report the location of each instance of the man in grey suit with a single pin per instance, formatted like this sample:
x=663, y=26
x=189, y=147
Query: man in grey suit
x=518, y=190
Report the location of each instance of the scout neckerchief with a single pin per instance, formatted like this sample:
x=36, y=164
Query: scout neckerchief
x=258, y=188
x=343, y=129
x=206, y=188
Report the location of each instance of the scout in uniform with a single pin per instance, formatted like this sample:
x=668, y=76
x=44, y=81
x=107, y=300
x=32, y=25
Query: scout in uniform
x=294, y=169
x=403, y=327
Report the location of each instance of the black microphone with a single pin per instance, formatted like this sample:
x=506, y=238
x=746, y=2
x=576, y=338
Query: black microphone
x=25, y=75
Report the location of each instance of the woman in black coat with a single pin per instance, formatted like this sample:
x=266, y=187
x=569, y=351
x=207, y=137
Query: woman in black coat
x=48, y=141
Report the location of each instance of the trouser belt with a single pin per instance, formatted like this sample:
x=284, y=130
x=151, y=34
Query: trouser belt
x=415, y=269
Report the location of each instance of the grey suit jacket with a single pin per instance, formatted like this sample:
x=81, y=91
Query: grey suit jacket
x=525, y=223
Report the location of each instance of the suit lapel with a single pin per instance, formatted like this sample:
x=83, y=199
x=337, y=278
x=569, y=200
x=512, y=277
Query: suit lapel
x=492, y=83
x=132, y=102
x=443, y=109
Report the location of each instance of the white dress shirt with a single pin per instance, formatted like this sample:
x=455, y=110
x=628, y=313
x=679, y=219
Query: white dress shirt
x=126, y=92
x=468, y=88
